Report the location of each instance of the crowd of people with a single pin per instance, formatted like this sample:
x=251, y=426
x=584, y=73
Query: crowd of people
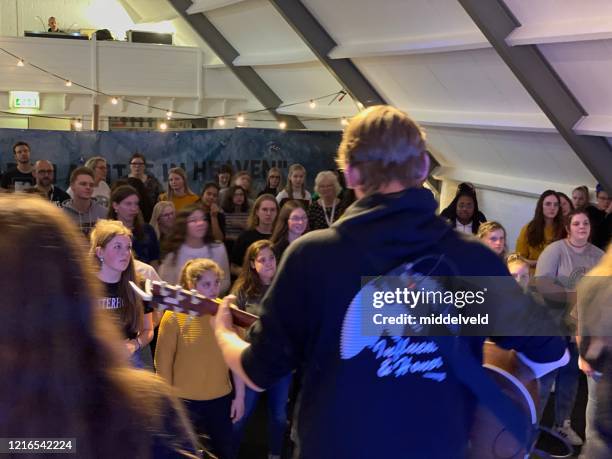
x=230, y=239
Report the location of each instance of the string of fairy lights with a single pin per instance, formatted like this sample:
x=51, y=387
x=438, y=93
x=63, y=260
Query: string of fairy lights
x=170, y=114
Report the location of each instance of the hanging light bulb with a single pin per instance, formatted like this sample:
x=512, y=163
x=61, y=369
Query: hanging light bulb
x=20, y=63
x=344, y=121
x=114, y=101
x=221, y=121
x=240, y=118
x=312, y=104
x=282, y=125
x=169, y=114
x=163, y=126
x=68, y=83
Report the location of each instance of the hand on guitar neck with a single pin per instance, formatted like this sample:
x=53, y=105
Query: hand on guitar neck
x=177, y=299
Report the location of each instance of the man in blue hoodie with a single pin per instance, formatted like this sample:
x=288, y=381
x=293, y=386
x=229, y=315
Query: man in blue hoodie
x=375, y=396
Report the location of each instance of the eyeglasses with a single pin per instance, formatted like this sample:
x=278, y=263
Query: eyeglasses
x=50, y=171
x=298, y=219
x=137, y=164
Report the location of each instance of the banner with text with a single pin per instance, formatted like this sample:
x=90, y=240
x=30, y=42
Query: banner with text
x=200, y=153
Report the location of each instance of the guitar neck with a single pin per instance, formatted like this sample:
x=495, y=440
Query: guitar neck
x=180, y=300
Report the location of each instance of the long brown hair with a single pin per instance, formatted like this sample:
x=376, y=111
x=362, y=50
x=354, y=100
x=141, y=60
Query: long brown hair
x=173, y=243
x=64, y=368
x=281, y=228
x=248, y=281
x=228, y=205
x=102, y=234
x=535, y=228
x=119, y=194
x=253, y=220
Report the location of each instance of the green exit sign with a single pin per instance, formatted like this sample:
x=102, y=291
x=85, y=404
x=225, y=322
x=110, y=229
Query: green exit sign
x=24, y=99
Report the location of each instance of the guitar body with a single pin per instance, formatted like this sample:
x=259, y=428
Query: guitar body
x=489, y=437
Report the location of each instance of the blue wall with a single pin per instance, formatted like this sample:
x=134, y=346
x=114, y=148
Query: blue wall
x=200, y=152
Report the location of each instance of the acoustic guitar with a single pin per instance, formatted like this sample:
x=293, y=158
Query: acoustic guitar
x=490, y=438
x=175, y=298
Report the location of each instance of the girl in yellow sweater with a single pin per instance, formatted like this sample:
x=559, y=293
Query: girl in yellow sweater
x=546, y=227
x=188, y=357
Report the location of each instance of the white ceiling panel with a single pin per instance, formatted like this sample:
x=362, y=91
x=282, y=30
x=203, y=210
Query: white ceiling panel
x=256, y=28
x=475, y=81
x=530, y=12
x=524, y=155
x=365, y=21
x=585, y=67
x=302, y=82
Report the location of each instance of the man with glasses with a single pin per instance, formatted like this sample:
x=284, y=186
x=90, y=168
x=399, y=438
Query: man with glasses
x=44, y=175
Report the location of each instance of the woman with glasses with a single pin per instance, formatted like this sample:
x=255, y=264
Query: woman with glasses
x=162, y=219
x=291, y=223
x=328, y=208
x=273, y=182
x=138, y=169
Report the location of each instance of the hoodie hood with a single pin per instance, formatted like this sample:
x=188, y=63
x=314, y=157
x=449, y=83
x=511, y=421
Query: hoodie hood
x=397, y=225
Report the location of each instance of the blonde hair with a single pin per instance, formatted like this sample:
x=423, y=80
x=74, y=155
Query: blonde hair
x=289, y=186
x=193, y=269
x=383, y=144
x=516, y=258
x=327, y=174
x=488, y=227
x=157, y=211
x=92, y=162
